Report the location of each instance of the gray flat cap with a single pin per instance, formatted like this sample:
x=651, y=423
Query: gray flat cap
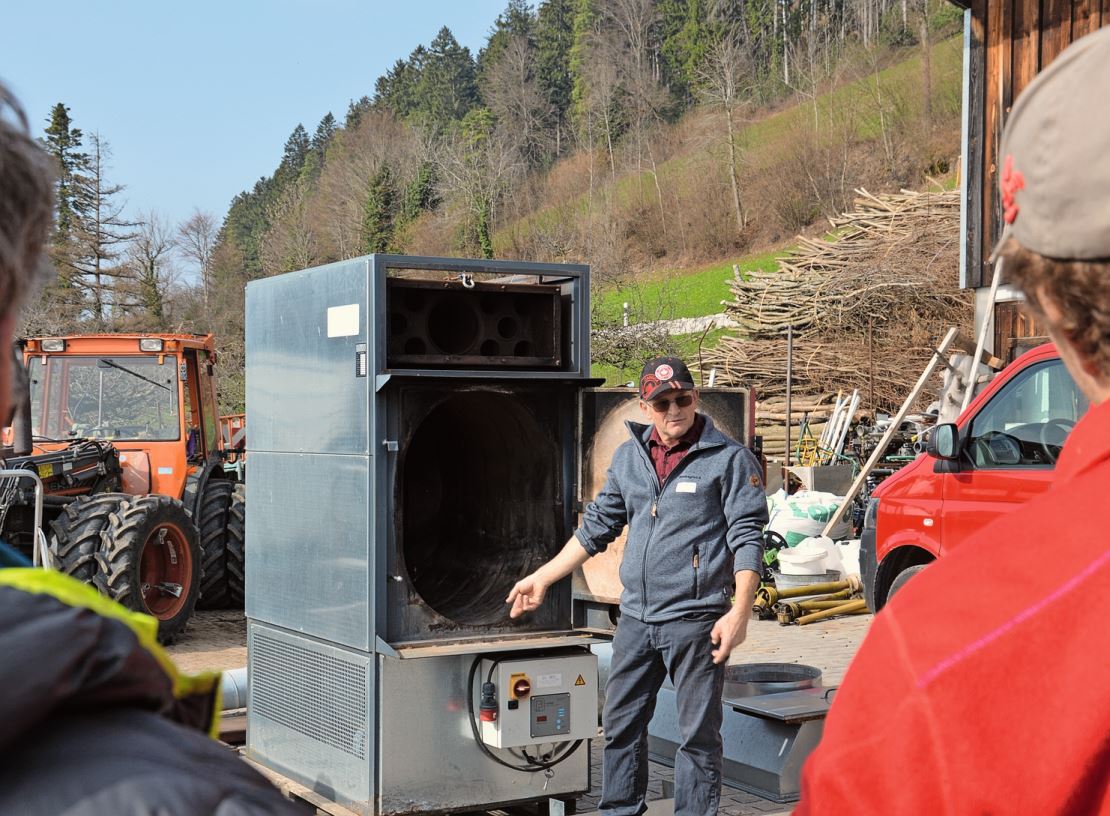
x=1055, y=175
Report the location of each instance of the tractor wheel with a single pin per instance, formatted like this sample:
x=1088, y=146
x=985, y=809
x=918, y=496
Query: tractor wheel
x=237, y=545
x=149, y=561
x=75, y=533
x=212, y=520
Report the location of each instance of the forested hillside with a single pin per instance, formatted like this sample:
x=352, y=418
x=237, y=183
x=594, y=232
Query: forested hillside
x=634, y=135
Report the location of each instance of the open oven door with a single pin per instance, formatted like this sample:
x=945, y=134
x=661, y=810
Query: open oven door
x=596, y=586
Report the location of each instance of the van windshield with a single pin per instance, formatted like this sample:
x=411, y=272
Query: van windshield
x=127, y=398
x=1027, y=422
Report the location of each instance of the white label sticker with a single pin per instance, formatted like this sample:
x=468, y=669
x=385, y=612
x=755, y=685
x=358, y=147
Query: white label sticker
x=165, y=471
x=686, y=487
x=343, y=320
x=549, y=680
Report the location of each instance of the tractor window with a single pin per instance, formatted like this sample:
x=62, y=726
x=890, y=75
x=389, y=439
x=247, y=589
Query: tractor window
x=126, y=398
x=1027, y=422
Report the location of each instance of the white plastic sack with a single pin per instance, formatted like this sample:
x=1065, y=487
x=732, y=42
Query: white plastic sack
x=804, y=515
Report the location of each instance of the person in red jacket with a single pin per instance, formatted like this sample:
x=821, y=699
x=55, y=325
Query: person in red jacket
x=982, y=686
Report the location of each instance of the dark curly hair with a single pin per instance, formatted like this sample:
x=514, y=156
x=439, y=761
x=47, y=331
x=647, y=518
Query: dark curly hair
x=26, y=205
x=1080, y=289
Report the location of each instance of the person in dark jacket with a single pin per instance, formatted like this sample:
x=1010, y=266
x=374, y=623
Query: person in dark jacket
x=694, y=504
x=94, y=717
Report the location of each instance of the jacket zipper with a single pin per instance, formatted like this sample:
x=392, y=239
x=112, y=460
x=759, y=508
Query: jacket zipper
x=697, y=553
x=654, y=515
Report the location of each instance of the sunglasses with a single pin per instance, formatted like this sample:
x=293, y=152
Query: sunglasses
x=661, y=406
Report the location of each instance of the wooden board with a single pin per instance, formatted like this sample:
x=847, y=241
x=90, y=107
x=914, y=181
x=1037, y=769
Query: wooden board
x=1084, y=18
x=975, y=123
x=1012, y=323
x=997, y=73
x=1027, y=43
x=1055, y=29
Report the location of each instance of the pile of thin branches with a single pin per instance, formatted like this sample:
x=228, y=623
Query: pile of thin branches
x=866, y=307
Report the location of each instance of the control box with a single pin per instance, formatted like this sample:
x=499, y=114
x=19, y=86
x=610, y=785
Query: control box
x=540, y=700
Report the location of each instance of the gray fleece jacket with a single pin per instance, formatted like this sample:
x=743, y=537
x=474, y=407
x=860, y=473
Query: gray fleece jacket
x=687, y=537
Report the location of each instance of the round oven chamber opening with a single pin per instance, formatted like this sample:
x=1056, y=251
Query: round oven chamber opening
x=480, y=478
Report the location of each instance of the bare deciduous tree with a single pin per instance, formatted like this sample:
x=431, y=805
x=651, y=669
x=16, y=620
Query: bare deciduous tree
x=196, y=241
x=150, y=274
x=721, y=84
x=476, y=169
x=290, y=243
x=517, y=101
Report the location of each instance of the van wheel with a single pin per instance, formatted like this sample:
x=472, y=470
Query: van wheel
x=903, y=578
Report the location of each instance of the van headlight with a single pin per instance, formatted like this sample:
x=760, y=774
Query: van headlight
x=871, y=515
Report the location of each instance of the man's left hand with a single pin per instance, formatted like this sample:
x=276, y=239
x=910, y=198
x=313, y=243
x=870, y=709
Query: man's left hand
x=729, y=632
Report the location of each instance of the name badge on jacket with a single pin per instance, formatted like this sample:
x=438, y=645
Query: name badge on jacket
x=686, y=487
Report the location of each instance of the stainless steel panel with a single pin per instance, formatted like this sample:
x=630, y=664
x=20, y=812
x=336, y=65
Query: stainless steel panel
x=308, y=556
x=303, y=392
x=310, y=715
x=762, y=756
x=429, y=760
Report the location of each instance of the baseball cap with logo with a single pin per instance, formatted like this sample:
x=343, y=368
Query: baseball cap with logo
x=664, y=374
x=1055, y=172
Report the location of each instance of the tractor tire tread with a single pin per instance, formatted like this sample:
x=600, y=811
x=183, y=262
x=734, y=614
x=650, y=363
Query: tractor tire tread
x=212, y=521
x=236, y=545
x=75, y=533
x=121, y=540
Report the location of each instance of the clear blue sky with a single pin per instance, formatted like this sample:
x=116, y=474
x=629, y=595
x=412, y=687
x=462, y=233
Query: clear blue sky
x=197, y=98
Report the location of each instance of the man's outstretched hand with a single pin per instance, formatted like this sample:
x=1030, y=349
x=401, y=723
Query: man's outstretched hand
x=526, y=596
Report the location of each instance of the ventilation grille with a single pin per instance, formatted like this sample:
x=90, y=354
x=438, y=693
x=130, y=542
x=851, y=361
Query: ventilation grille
x=314, y=693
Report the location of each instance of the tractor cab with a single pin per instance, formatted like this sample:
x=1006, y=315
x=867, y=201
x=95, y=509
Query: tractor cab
x=152, y=397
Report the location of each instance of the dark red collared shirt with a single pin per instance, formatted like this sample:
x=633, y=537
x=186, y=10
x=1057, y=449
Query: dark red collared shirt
x=666, y=459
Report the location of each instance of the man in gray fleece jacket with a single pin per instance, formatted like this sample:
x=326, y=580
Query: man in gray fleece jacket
x=694, y=504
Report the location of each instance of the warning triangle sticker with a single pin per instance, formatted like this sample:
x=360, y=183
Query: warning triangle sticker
x=581, y=681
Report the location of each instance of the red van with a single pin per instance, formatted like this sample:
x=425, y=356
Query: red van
x=1000, y=452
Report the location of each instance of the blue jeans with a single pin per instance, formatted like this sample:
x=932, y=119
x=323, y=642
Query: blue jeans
x=643, y=654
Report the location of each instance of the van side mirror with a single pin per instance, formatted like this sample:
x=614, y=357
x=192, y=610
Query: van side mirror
x=944, y=442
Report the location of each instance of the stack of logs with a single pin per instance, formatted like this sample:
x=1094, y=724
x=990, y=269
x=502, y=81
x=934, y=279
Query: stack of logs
x=771, y=415
x=866, y=309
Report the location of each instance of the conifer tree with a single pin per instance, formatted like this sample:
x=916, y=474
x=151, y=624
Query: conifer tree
x=379, y=211
x=100, y=235
x=554, y=38
x=63, y=142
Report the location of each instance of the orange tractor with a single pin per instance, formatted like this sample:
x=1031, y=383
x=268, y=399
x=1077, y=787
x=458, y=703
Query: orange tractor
x=142, y=479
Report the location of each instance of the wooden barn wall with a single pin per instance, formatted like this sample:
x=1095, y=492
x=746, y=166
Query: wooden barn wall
x=1011, y=42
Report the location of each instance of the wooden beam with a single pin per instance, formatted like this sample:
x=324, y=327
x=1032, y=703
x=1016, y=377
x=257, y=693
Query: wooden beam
x=1084, y=18
x=1055, y=29
x=976, y=119
x=895, y=423
x=996, y=72
x=1026, y=48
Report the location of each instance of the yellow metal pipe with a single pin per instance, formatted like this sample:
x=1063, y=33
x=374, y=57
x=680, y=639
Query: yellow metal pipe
x=850, y=608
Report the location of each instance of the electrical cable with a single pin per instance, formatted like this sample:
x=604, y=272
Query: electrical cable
x=534, y=765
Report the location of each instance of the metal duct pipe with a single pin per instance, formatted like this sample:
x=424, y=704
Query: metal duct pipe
x=233, y=689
